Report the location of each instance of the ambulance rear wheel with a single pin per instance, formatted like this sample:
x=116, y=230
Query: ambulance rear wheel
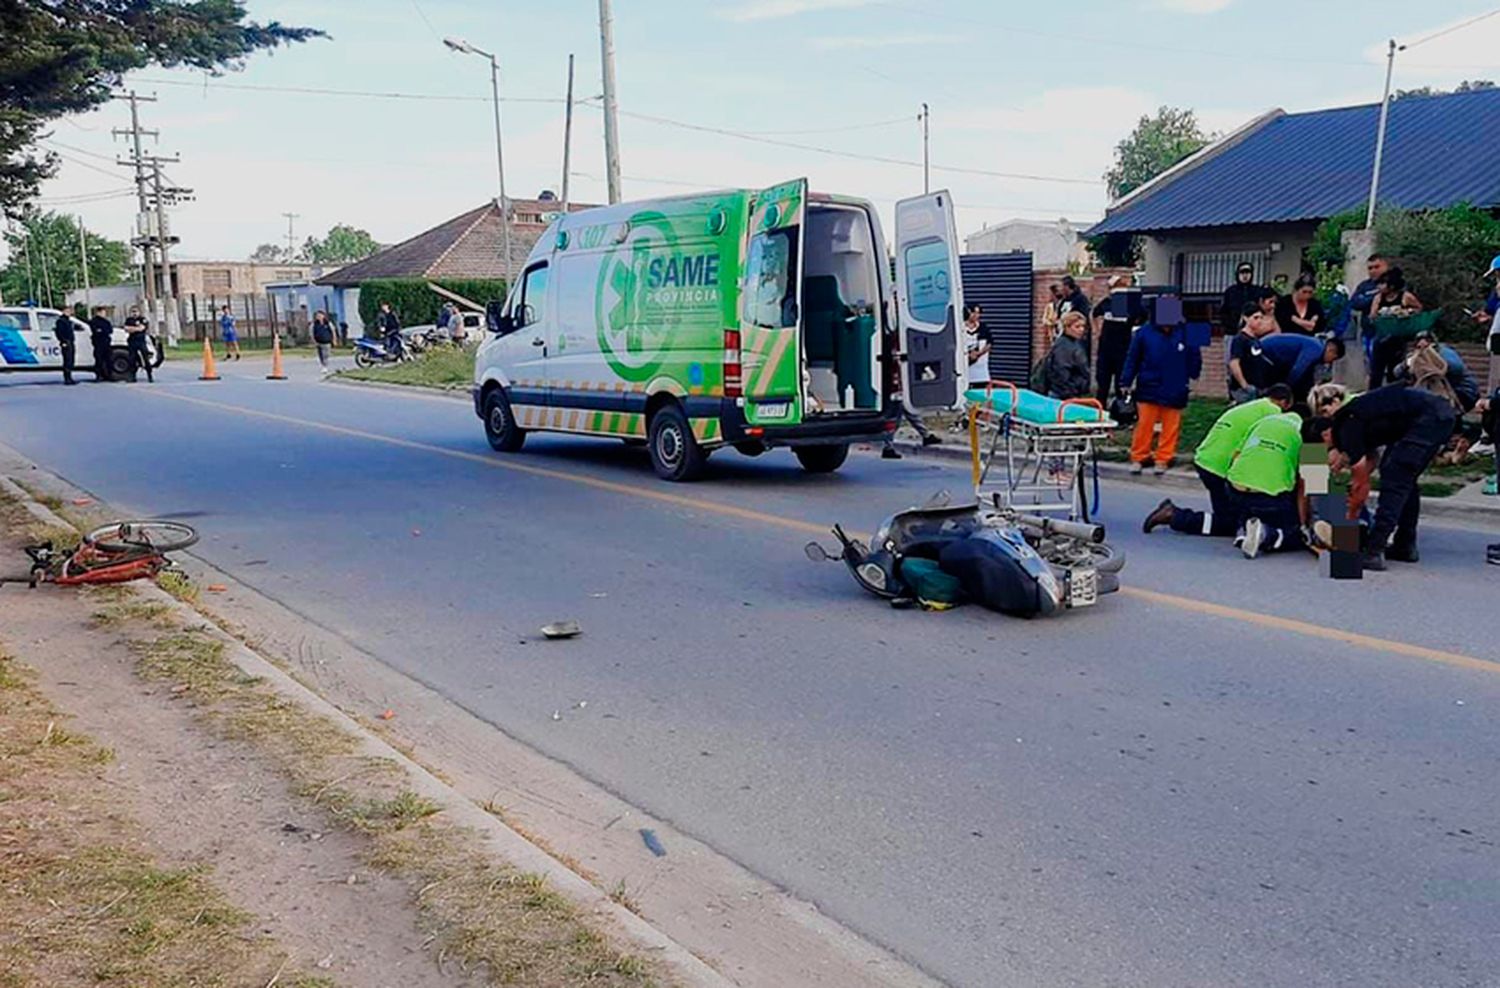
x=675, y=453
x=822, y=459
x=500, y=426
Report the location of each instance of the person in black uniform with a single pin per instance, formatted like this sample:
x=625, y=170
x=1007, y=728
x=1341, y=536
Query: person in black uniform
x=67, y=342
x=135, y=335
x=1412, y=425
x=101, y=334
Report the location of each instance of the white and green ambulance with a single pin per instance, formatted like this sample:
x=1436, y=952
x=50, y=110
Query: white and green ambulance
x=743, y=318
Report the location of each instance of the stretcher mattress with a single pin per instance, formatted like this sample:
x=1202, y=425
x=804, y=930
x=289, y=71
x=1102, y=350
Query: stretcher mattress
x=1035, y=408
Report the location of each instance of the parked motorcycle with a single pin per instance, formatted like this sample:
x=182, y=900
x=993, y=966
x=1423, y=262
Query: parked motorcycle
x=371, y=353
x=1007, y=561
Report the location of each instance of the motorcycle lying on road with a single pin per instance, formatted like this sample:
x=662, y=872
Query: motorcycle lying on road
x=370, y=353
x=1007, y=561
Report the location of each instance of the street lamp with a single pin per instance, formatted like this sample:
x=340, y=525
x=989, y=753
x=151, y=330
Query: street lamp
x=462, y=46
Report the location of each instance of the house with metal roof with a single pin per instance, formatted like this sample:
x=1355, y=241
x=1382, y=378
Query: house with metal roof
x=1258, y=193
x=466, y=246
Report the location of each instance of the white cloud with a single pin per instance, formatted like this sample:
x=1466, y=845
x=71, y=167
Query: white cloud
x=765, y=10
x=858, y=41
x=1192, y=6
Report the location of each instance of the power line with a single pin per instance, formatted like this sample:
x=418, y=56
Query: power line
x=854, y=155
x=1449, y=30
x=423, y=14
x=84, y=197
x=78, y=161
x=362, y=93
x=685, y=184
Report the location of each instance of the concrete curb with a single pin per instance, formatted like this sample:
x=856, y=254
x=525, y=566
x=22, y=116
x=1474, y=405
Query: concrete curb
x=1482, y=515
x=425, y=390
x=593, y=903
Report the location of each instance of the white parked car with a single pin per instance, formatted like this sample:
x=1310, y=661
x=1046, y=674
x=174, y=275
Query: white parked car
x=28, y=342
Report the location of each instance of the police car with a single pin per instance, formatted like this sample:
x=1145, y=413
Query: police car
x=28, y=342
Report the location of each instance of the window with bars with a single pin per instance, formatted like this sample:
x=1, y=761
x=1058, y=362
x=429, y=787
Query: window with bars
x=1210, y=272
x=217, y=281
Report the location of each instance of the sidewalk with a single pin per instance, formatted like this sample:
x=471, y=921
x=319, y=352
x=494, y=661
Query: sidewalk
x=174, y=809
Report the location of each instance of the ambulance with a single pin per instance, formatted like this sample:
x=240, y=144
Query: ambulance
x=744, y=319
x=28, y=342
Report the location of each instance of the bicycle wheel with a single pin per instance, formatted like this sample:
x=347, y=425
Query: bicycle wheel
x=126, y=536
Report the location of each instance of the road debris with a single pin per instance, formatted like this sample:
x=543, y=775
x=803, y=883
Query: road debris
x=388, y=715
x=216, y=588
x=653, y=843
x=561, y=629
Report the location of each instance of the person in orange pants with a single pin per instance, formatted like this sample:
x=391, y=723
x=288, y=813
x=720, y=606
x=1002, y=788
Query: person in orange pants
x=1158, y=371
x=1152, y=415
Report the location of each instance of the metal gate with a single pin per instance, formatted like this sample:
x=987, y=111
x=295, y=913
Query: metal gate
x=1001, y=285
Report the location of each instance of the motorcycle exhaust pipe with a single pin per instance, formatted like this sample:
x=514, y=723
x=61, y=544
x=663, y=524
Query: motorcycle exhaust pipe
x=1056, y=526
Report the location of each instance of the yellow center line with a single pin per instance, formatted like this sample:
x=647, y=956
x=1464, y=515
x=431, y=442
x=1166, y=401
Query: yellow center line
x=1290, y=625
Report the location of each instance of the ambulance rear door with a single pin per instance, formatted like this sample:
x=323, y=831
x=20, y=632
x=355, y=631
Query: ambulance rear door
x=930, y=298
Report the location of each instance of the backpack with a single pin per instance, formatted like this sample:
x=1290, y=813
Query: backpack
x=1429, y=372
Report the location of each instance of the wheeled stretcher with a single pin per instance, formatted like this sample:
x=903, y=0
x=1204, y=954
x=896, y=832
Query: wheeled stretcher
x=1034, y=453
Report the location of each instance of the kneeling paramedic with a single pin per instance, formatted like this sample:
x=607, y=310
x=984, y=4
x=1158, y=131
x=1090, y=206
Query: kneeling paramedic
x=1413, y=426
x=1265, y=486
x=1212, y=460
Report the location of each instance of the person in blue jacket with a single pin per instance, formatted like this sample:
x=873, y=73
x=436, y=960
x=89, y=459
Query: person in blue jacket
x=1158, y=368
x=1293, y=360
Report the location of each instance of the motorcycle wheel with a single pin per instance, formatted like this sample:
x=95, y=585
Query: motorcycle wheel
x=362, y=358
x=1107, y=559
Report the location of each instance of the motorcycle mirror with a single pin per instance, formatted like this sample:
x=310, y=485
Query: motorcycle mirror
x=816, y=552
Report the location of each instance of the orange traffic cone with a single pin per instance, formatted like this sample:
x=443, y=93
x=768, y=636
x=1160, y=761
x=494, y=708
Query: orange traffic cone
x=210, y=372
x=276, y=374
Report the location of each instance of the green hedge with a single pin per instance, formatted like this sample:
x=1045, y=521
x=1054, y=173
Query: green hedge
x=1444, y=254
x=415, y=303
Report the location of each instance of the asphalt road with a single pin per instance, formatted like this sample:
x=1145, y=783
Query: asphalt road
x=1154, y=792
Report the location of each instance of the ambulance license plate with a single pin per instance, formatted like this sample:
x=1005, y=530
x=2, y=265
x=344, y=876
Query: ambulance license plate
x=1083, y=587
x=773, y=409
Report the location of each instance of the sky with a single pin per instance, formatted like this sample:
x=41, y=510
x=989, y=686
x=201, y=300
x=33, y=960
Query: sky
x=1027, y=102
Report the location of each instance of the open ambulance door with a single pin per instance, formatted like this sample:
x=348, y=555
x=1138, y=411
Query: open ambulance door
x=929, y=290
x=771, y=305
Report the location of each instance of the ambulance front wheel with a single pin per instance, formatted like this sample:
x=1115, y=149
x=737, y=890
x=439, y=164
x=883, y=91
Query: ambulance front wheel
x=500, y=426
x=675, y=453
x=822, y=459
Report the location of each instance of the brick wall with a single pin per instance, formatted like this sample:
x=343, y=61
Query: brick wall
x=1095, y=285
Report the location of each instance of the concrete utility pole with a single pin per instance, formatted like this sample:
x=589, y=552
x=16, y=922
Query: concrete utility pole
x=611, y=109
x=924, y=116
x=138, y=161
x=460, y=45
x=83, y=257
x=291, y=236
x=567, y=137
x=1385, y=111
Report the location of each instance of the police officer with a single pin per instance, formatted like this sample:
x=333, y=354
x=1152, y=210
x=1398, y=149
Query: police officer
x=101, y=335
x=66, y=333
x=1412, y=425
x=135, y=335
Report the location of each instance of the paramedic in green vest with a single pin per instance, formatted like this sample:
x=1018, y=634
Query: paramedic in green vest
x=1265, y=487
x=1212, y=460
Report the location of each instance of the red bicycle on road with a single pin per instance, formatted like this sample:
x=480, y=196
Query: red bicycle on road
x=115, y=553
